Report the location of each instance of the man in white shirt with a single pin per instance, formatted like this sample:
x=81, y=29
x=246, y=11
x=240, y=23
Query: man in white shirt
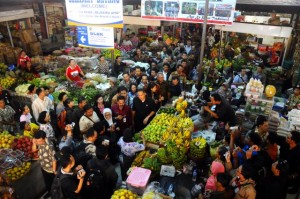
x=88, y=119
x=40, y=104
x=188, y=46
x=126, y=41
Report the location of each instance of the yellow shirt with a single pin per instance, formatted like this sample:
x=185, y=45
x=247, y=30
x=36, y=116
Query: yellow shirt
x=34, y=128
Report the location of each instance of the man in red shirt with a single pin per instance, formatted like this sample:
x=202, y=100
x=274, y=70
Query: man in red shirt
x=122, y=113
x=73, y=72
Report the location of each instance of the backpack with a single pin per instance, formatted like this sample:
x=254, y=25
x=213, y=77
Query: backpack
x=61, y=120
x=56, y=191
x=81, y=157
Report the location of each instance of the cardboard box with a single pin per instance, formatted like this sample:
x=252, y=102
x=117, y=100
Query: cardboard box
x=29, y=35
x=10, y=57
x=35, y=48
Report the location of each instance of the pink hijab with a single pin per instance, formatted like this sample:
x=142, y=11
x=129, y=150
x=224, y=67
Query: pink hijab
x=216, y=167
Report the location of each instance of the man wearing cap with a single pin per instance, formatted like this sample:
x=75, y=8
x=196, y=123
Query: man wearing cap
x=294, y=99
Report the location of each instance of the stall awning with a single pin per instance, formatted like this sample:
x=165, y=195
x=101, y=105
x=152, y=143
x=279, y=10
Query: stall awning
x=15, y=15
x=257, y=29
x=139, y=21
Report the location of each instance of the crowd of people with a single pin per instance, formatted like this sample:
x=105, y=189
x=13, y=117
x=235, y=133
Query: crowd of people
x=80, y=147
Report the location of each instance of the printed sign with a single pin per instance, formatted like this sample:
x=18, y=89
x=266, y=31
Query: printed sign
x=219, y=11
x=95, y=12
x=95, y=37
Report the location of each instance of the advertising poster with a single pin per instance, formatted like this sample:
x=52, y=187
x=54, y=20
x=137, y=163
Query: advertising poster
x=95, y=37
x=95, y=12
x=220, y=12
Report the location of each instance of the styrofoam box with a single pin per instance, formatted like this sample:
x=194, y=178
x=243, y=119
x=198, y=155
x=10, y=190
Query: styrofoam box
x=137, y=180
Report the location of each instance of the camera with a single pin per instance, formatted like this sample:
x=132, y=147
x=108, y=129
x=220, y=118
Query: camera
x=80, y=172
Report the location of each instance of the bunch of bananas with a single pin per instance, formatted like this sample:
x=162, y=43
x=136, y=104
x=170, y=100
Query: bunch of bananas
x=7, y=82
x=180, y=137
x=3, y=68
x=198, y=148
x=185, y=123
x=163, y=156
x=179, y=157
x=165, y=119
x=138, y=161
x=172, y=154
x=180, y=104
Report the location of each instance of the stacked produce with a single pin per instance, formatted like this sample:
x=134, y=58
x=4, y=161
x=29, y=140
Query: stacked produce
x=222, y=64
x=24, y=144
x=107, y=53
x=180, y=105
x=7, y=82
x=139, y=160
x=22, y=89
x=158, y=126
x=152, y=163
x=198, y=148
x=178, y=136
x=3, y=68
x=172, y=154
x=169, y=110
x=185, y=123
x=123, y=194
x=6, y=140
x=18, y=171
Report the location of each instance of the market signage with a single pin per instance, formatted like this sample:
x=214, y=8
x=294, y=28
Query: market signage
x=95, y=12
x=95, y=37
x=219, y=11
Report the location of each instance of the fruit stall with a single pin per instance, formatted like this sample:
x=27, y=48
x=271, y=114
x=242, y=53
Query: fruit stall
x=171, y=144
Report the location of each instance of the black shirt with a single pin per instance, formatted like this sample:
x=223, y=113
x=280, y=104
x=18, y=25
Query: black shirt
x=77, y=114
x=110, y=177
x=138, y=79
x=225, y=112
x=142, y=110
x=69, y=186
x=117, y=69
x=175, y=90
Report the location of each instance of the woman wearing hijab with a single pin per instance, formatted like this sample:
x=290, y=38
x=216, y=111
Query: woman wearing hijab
x=110, y=123
x=112, y=131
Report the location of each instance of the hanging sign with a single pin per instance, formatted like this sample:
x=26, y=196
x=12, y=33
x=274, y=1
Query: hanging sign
x=95, y=12
x=219, y=11
x=95, y=37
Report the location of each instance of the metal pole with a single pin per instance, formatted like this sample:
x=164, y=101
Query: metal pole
x=181, y=29
x=9, y=34
x=220, y=47
x=203, y=42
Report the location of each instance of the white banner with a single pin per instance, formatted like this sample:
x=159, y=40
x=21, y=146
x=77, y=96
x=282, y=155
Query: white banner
x=219, y=11
x=95, y=37
x=95, y=12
